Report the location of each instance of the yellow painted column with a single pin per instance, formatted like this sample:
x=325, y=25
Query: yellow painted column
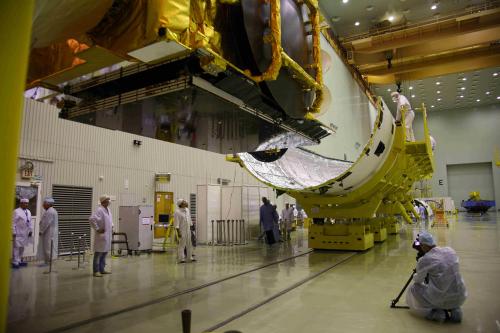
x=15, y=30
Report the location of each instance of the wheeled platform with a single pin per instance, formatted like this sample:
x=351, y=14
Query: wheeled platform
x=353, y=237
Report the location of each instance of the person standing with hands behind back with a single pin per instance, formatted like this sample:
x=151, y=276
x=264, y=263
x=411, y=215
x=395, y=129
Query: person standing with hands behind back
x=183, y=223
x=102, y=222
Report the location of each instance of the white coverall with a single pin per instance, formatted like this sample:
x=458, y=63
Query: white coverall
x=409, y=116
x=446, y=288
x=183, y=223
x=288, y=216
x=102, y=218
x=21, y=228
x=433, y=142
x=49, y=232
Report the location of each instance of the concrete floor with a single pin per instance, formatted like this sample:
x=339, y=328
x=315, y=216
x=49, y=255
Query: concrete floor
x=353, y=296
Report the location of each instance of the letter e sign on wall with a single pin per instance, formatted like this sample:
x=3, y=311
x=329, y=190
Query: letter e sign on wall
x=441, y=182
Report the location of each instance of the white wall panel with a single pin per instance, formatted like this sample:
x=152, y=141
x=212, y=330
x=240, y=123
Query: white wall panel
x=70, y=153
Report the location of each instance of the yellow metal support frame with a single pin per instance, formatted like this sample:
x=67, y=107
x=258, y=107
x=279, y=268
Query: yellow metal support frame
x=15, y=30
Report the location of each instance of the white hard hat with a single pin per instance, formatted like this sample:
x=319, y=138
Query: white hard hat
x=24, y=200
x=104, y=197
x=426, y=239
x=180, y=201
x=394, y=94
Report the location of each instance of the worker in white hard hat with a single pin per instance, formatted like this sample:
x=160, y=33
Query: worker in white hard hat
x=402, y=102
x=102, y=222
x=438, y=290
x=22, y=232
x=182, y=224
x=48, y=232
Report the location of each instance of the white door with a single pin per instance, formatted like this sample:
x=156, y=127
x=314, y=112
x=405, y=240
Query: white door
x=146, y=219
x=33, y=193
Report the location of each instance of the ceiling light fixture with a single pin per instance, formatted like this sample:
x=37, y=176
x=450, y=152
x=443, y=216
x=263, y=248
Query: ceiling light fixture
x=438, y=91
x=495, y=74
x=478, y=100
x=389, y=89
x=391, y=18
x=411, y=88
x=498, y=97
x=434, y=6
x=464, y=79
x=432, y=106
x=438, y=83
x=345, y=1
x=461, y=96
x=356, y=23
x=439, y=99
x=370, y=8
x=463, y=88
x=412, y=96
x=487, y=93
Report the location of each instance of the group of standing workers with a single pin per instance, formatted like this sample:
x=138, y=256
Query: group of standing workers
x=274, y=231
x=22, y=232
x=101, y=222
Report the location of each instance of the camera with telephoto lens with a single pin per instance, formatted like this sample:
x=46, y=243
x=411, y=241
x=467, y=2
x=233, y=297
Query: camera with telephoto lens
x=418, y=247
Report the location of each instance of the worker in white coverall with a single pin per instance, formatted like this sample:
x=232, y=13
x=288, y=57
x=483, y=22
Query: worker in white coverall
x=433, y=143
x=401, y=101
x=183, y=223
x=22, y=232
x=438, y=290
x=287, y=218
x=48, y=232
x=102, y=222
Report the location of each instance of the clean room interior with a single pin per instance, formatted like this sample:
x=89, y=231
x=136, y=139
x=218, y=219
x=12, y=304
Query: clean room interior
x=143, y=136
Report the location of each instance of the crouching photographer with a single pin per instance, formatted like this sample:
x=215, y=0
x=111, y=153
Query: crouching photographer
x=438, y=290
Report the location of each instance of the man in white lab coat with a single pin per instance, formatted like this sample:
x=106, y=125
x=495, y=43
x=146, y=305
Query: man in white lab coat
x=287, y=218
x=182, y=224
x=438, y=290
x=48, y=232
x=102, y=222
x=401, y=101
x=22, y=232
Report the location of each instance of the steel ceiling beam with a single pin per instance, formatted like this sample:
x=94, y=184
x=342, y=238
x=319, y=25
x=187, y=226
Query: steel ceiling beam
x=442, y=66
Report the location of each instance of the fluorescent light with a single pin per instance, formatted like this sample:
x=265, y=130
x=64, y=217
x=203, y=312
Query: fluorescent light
x=439, y=99
x=463, y=88
x=438, y=92
x=356, y=23
x=438, y=83
x=478, y=100
x=391, y=18
x=412, y=96
x=411, y=88
x=432, y=106
x=495, y=74
x=498, y=97
x=345, y=1
x=487, y=93
x=389, y=89
x=461, y=96
x=433, y=7
x=464, y=79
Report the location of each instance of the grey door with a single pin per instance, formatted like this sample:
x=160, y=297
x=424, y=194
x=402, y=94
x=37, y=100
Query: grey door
x=465, y=178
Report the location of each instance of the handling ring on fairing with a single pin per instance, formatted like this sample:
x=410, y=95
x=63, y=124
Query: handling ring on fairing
x=300, y=170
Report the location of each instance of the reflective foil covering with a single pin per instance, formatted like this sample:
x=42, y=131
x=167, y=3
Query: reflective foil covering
x=298, y=169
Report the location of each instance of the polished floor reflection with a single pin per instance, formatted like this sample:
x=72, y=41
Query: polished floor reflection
x=146, y=292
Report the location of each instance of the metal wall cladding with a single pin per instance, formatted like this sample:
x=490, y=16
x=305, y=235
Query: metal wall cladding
x=69, y=153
